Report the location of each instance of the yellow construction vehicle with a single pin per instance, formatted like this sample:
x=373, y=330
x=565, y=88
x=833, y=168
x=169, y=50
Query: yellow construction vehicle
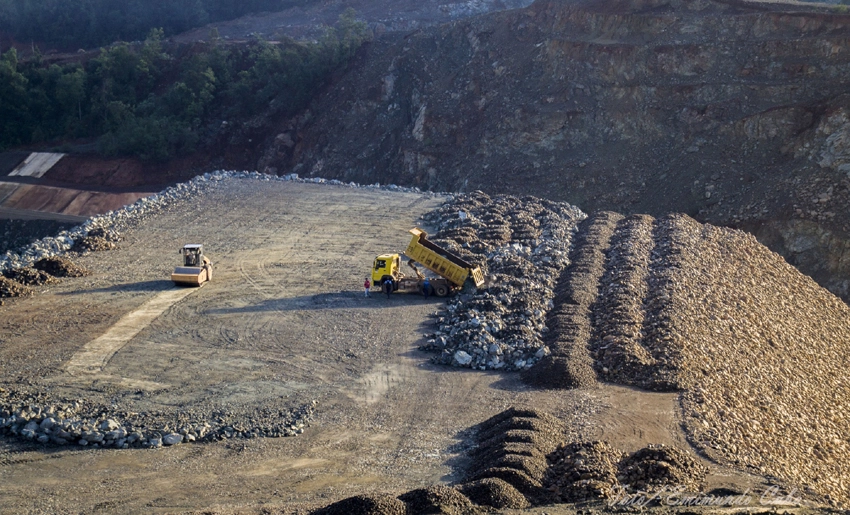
x=452, y=271
x=196, y=269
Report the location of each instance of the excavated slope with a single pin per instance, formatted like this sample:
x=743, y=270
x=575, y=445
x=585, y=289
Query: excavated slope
x=732, y=112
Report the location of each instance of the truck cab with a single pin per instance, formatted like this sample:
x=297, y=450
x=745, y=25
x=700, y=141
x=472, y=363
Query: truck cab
x=386, y=265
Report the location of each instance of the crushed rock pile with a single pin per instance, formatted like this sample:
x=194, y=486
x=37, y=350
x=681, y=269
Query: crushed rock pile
x=10, y=288
x=494, y=492
x=758, y=349
x=522, y=245
x=583, y=471
x=375, y=504
x=98, y=240
x=512, y=447
x=652, y=468
x=37, y=417
x=58, y=266
x=438, y=499
x=29, y=276
x=765, y=354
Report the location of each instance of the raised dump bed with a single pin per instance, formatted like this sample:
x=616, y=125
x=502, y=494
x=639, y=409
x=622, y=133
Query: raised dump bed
x=441, y=261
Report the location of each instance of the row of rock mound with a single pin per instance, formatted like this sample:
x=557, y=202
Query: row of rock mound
x=757, y=349
x=519, y=460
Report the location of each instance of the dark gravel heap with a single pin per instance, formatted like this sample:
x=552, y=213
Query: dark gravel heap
x=582, y=471
x=656, y=466
x=512, y=447
x=58, y=266
x=494, y=492
x=29, y=276
x=438, y=499
x=10, y=288
x=374, y=504
x=97, y=240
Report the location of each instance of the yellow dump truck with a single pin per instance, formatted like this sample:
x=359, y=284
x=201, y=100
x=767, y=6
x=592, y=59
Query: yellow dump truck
x=452, y=271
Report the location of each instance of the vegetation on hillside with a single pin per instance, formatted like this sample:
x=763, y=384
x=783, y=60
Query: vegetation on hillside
x=72, y=24
x=146, y=101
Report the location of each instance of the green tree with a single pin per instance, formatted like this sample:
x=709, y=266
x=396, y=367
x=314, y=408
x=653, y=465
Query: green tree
x=15, y=120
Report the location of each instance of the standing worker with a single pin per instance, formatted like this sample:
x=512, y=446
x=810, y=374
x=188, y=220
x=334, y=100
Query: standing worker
x=388, y=287
x=367, y=285
x=426, y=288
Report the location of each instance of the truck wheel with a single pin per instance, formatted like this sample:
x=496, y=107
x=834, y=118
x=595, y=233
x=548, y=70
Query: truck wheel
x=441, y=290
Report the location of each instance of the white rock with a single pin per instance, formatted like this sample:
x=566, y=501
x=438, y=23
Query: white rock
x=462, y=358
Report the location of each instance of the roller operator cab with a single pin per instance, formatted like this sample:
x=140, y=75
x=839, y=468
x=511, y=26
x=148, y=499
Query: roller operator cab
x=196, y=269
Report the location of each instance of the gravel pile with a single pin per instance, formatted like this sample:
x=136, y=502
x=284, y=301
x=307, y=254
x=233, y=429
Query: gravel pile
x=569, y=322
x=29, y=276
x=522, y=245
x=58, y=266
x=375, y=504
x=764, y=359
x=98, y=240
x=582, y=471
x=39, y=418
x=652, y=468
x=494, y=492
x=512, y=446
x=10, y=288
x=438, y=499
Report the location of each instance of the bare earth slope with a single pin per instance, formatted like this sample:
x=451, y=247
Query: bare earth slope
x=732, y=112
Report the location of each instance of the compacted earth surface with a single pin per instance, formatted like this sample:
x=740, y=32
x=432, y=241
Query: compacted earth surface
x=608, y=358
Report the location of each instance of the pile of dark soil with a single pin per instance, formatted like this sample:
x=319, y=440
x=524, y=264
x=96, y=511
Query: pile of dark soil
x=10, y=288
x=29, y=276
x=376, y=504
x=60, y=267
x=512, y=447
x=494, y=492
x=582, y=471
x=438, y=499
x=98, y=240
x=656, y=466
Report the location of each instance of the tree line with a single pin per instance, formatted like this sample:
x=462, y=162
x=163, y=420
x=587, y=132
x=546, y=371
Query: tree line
x=73, y=24
x=143, y=100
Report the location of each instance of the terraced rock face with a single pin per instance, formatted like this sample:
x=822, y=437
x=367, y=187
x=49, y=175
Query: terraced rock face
x=733, y=112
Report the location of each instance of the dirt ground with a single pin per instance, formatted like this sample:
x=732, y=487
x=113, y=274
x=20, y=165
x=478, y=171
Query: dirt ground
x=283, y=323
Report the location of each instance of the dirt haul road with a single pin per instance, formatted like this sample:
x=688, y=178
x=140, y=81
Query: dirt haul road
x=283, y=323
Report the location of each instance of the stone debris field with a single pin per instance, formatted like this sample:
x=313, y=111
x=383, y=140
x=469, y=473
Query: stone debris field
x=502, y=398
